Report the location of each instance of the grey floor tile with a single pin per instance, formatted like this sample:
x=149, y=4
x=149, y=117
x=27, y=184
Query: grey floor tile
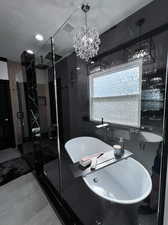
x=24, y=203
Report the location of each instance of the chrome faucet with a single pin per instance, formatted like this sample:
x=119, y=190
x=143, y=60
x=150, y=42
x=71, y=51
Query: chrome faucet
x=102, y=125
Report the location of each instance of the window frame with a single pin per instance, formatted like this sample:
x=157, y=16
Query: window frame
x=115, y=69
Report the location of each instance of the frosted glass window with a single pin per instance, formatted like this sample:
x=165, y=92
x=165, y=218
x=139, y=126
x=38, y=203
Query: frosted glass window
x=115, y=94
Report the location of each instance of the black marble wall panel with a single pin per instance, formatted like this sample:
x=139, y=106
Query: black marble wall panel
x=63, y=98
x=155, y=14
x=28, y=61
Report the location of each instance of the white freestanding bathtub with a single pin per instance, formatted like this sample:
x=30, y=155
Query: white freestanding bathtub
x=126, y=182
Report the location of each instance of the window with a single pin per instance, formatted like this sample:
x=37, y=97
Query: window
x=115, y=94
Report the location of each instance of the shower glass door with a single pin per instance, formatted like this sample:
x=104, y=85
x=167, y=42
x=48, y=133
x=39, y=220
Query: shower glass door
x=63, y=86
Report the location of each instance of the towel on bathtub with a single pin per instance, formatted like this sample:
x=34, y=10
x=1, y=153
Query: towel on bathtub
x=90, y=157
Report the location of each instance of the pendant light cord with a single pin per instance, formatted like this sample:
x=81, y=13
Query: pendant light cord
x=86, y=20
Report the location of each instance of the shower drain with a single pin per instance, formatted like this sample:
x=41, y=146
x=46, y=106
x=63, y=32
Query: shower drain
x=95, y=179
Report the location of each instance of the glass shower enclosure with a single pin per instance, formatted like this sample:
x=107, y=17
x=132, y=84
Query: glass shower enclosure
x=66, y=103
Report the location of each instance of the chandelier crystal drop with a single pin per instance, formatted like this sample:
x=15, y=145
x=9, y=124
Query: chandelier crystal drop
x=140, y=53
x=86, y=40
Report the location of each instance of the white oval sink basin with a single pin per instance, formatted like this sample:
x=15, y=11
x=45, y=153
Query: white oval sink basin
x=126, y=182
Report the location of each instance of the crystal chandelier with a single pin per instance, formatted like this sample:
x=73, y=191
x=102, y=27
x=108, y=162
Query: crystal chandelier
x=86, y=40
x=145, y=48
x=140, y=53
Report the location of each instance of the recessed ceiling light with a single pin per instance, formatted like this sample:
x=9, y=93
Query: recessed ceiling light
x=39, y=37
x=30, y=51
x=92, y=62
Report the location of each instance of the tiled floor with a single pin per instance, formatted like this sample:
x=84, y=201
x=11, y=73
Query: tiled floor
x=13, y=169
x=22, y=202
x=9, y=154
x=12, y=165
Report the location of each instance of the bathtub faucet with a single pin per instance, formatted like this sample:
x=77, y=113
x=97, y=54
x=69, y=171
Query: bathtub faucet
x=102, y=125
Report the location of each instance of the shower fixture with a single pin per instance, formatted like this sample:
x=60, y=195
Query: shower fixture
x=41, y=65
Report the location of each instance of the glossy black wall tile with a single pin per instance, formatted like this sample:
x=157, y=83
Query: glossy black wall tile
x=74, y=75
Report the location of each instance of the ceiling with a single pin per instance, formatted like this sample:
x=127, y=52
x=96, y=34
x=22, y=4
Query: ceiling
x=20, y=20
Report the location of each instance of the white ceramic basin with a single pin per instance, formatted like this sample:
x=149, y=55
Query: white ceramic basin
x=126, y=182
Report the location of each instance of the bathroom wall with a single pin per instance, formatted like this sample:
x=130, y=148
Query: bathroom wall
x=64, y=82
x=14, y=70
x=155, y=14
x=43, y=97
x=76, y=81
x=166, y=203
x=17, y=81
x=74, y=93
